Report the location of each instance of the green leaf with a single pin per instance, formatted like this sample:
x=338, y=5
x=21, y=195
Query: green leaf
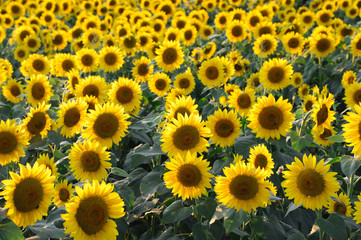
x=9, y=230
x=47, y=230
x=235, y=221
x=176, y=212
x=199, y=232
x=291, y=208
x=349, y=165
x=334, y=226
x=296, y=236
x=207, y=208
x=243, y=144
x=336, y=138
x=153, y=182
x=332, y=160
x=119, y=172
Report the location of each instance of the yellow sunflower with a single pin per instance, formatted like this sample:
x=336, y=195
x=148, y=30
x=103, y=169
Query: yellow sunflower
x=182, y=105
x=265, y=45
x=270, y=118
x=348, y=78
x=106, y=124
x=308, y=103
x=357, y=213
x=356, y=45
x=352, y=130
x=71, y=117
x=62, y=64
x=92, y=86
x=88, y=213
x=275, y=74
x=12, y=142
x=73, y=79
x=11, y=91
x=353, y=95
x=310, y=184
x=159, y=83
x=32, y=43
x=186, y=133
x=87, y=60
x=342, y=205
x=125, y=92
x=35, y=64
x=207, y=52
x=296, y=79
x=21, y=53
x=225, y=127
x=49, y=164
x=188, y=35
x=303, y=90
x=236, y=31
x=260, y=157
x=242, y=187
x=293, y=43
x=37, y=121
x=320, y=135
x=322, y=45
x=63, y=193
x=242, y=101
x=253, y=82
x=29, y=194
x=188, y=176
x=264, y=27
x=322, y=114
x=89, y=161
x=211, y=73
x=38, y=90
x=185, y=81
x=129, y=44
x=142, y=69
x=221, y=20
x=110, y=59
x=59, y=39
x=169, y=56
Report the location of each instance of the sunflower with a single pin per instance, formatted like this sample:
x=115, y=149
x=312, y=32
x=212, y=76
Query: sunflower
x=12, y=91
x=32, y=43
x=265, y=27
x=89, y=161
x=296, y=79
x=142, y=69
x=293, y=43
x=211, y=73
x=92, y=86
x=303, y=90
x=306, y=19
x=254, y=17
x=106, y=124
x=188, y=176
x=241, y=66
x=207, y=51
x=353, y=95
x=63, y=193
x=357, y=213
x=126, y=93
x=253, y=81
x=186, y=133
x=49, y=164
x=38, y=90
x=265, y=45
x=29, y=194
x=236, y=31
x=356, y=45
x=242, y=101
x=36, y=64
x=352, y=130
x=309, y=101
x=73, y=79
x=188, y=35
x=221, y=20
x=72, y=116
x=37, y=121
x=15, y=9
x=225, y=127
x=169, y=56
x=308, y=183
x=129, y=44
x=242, y=187
x=110, y=59
x=228, y=68
x=348, y=78
x=21, y=53
x=206, y=31
x=320, y=135
x=322, y=45
x=352, y=12
x=183, y=105
x=87, y=60
x=59, y=39
x=172, y=34
x=260, y=157
x=88, y=213
x=341, y=205
x=62, y=64
x=91, y=101
x=275, y=74
x=270, y=118
x=322, y=114
x=159, y=83
x=185, y=81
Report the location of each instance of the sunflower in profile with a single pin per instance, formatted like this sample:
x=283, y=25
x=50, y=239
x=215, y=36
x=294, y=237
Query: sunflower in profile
x=211, y=73
x=87, y=60
x=270, y=118
x=126, y=93
x=357, y=213
x=188, y=176
x=37, y=121
x=110, y=59
x=186, y=133
x=11, y=91
x=63, y=193
x=309, y=101
x=73, y=79
x=353, y=95
x=88, y=213
x=92, y=86
x=242, y=101
x=142, y=69
x=185, y=81
x=310, y=184
x=107, y=124
x=352, y=130
x=12, y=142
x=169, y=56
x=71, y=117
x=159, y=83
x=89, y=161
x=242, y=187
x=322, y=114
x=293, y=43
x=275, y=74
x=322, y=45
x=356, y=45
x=207, y=52
x=225, y=127
x=49, y=164
x=265, y=45
x=29, y=194
x=260, y=157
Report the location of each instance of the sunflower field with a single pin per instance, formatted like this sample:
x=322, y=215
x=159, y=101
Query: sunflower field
x=180, y=119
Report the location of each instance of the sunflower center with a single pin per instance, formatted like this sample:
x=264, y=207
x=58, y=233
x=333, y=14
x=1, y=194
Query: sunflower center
x=339, y=208
x=297, y=80
x=143, y=69
x=346, y=32
x=58, y=40
x=293, y=43
x=188, y=35
x=322, y=114
x=307, y=19
x=32, y=43
x=71, y=117
x=90, y=161
x=91, y=90
x=8, y=142
x=21, y=53
x=237, y=31
x=189, y=175
x=110, y=59
x=244, y=101
x=357, y=96
x=184, y=83
x=37, y=123
x=87, y=60
x=309, y=105
x=254, y=20
x=28, y=194
x=15, y=90
x=186, y=137
x=256, y=82
x=265, y=45
x=271, y=117
x=124, y=95
x=264, y=30
x=260, y=161
x=24, y=34
x=323, y=45
x=222, y=20
x=243, y=187
x=67, y=65
x=212, y=73
x=160, y=84
x=224, y=128
x=310, y=183
x=38, y=65
x=276, y=74
x=170, y=56
x=181, y=24
x=325, y=18
x=305, y=91
x=64, y=195
x=326, y=133
x=130, y=42
x=92, y=215
x=15, y=9
x=106, y=125
x=183, y=111
x=172, y=37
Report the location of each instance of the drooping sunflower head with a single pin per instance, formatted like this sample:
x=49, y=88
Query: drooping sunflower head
x=275, y=74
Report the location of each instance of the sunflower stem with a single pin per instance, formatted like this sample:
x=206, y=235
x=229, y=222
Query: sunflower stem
x=319, y=215
x=304, y=122
x=351, y=185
